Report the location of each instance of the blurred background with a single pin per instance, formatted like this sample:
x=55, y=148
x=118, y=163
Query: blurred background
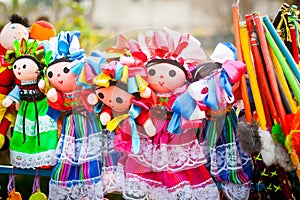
x=210, y=21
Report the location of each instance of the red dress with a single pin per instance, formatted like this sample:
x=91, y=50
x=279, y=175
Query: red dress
x=7, y=80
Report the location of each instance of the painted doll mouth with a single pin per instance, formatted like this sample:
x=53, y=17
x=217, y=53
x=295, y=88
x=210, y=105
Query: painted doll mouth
x=60, y=82
x=19, y=73
x=161, y=83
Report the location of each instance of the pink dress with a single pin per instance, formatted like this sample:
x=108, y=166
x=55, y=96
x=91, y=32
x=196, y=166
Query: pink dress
x=168, y=166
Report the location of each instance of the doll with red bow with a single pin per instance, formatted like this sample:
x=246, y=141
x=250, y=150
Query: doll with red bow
x=34, y=137
x=16, y=29
x=77, y=173
x=168, y=165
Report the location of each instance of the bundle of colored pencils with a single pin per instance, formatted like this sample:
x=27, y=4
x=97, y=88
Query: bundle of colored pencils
x=270, y=51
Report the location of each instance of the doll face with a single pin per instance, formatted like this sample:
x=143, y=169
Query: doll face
x=61, y=77
x=12, y=32
x=165, y=77
x=115, y=98
x=25, y=69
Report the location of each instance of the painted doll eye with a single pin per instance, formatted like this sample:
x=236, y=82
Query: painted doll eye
x=50, y=74
x=66, y=70
x=101, y=95
x=13, y=26
x=24, y=66
x=172, y=73
x=15, y=66
x=119, y=100
x=152, y=72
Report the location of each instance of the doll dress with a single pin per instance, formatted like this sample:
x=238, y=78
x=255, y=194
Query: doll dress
x=168, y=166
x=34, y=138
x=77, y=173
x=229, y=166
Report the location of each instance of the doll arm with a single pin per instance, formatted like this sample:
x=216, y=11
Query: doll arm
x=105, y=115
x=42, y=85
x=89, y=99
x=55, y=99
x=144, y=117
x=12, y=97
x=145, y=120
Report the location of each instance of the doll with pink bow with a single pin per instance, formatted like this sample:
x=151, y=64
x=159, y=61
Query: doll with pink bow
x=77, y=173
x=168, y=165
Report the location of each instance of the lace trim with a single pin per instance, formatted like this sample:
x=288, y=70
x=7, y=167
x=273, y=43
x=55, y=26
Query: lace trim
x=113, y=179
x=236, y=191
x=171, y=158
x=227, y=157
x=28, y=82
x=79, y=190
x=46, y=124
x=25, y=160
x=78, y=151
x=108, y=141
x=137, y=188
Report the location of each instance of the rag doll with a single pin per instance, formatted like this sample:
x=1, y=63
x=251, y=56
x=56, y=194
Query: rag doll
x=34, y=137
x=16, y=29
x=121, y=113
x=168, y=166
x=77, y=173
x=228, y=164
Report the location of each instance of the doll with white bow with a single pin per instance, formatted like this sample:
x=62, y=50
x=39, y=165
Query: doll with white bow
x=79, y=150
x=212, y=89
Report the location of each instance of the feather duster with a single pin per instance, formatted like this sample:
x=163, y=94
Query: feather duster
x=249, y=137
x=268, y=148
x=282, y=157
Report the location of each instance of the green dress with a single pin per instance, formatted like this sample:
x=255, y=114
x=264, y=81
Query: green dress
x=35, y=134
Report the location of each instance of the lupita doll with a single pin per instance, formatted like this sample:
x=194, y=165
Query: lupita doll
x=34, y=137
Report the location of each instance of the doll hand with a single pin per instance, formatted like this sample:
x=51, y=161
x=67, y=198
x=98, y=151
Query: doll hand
x=17, y=106
x=52, y=95
x=104, y=118
x=149, y=128
x=42, y=85
x=146, y=93
x=92, y=99
x=7, y=102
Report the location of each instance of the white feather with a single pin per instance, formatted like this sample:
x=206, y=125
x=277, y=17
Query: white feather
x=268, y=148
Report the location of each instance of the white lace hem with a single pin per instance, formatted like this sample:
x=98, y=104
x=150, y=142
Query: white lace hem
x=80, y=150
x=228, y=158
x=172, y=158
x=236, y=191
x=113, y=179
x=25, y=160
x=79, y=190
x=137, y=188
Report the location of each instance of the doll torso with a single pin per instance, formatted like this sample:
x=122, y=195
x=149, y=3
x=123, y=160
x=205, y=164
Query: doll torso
x=72, y=100
x=29, y=91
